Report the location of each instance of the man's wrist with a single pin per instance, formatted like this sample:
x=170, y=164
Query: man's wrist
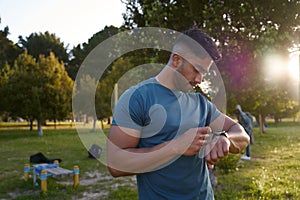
x=224, y=134
x=219, y=133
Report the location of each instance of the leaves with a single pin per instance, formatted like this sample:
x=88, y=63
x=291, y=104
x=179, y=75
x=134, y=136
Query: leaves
x=43, y=44
x=245, y=32
x=38, y=89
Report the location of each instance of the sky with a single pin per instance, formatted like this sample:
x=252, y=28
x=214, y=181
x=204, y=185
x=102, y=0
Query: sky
x=73, y=21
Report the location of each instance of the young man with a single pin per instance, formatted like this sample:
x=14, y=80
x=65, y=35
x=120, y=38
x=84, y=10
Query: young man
x=161, y=128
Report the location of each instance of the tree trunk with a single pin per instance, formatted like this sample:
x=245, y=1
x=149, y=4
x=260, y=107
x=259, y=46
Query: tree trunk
x=264, y=124
x=31, y=124
x=276, y=119
x=94, y=124
x=102, y=124
x=86, y=119
x=40, y=130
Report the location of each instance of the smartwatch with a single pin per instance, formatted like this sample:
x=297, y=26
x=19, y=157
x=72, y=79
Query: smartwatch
x=219, y=133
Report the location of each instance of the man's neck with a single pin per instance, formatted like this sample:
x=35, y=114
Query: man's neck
x=166, y=77
x=173, y=80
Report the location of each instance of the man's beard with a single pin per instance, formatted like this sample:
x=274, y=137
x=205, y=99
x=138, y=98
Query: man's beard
x=181, y=83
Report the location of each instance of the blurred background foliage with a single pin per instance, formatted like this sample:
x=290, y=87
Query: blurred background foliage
x=250, y=35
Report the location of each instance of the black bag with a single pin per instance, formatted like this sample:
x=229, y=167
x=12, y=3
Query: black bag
x=95, y=151
x=40, y=158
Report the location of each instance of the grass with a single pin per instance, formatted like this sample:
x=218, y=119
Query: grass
x=18, y=144
x=273, y=172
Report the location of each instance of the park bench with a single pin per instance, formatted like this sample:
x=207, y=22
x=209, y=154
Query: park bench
x=44, y=170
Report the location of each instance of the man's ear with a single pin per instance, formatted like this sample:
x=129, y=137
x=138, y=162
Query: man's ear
x=177, y=60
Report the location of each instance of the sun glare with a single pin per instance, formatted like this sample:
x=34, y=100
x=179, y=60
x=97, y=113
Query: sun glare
x=277, y=67
x=273, y=67
x=294, y=65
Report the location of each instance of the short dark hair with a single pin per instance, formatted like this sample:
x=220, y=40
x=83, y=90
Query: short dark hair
x=204, y=40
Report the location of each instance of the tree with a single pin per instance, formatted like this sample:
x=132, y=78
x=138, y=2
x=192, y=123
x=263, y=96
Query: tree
x=38, y=90
x=85, y=82
x=58, y=88
x=80, y=52
x=8, y=50
x=83, y=109
x=5, y=72
x=17, y=87
x=43, y=44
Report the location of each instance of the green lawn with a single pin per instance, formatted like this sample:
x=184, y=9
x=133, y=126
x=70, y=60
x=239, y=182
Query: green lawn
x=273, y=173
x=16, y=146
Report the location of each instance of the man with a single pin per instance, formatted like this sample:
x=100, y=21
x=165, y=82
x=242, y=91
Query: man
x=247, y=123
x=160, y=126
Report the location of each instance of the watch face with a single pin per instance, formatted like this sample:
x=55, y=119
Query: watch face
x=219, y=132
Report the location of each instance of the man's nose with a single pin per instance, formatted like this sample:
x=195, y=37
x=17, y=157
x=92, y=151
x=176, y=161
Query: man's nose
x=198, y=78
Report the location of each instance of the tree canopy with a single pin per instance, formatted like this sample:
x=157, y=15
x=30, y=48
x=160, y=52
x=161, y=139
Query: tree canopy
x=37, y=89
x=246, y=32
x=8, y=50
x=37, y=44
x=33, y=71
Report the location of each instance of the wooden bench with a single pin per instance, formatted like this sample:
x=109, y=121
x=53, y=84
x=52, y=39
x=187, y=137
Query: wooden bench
x=45, y=170
x=59, y=172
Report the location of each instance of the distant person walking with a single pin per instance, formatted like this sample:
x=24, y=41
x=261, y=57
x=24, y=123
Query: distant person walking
x=246, y=121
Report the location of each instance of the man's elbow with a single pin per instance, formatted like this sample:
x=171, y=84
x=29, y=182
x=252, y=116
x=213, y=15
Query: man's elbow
x=115, y=173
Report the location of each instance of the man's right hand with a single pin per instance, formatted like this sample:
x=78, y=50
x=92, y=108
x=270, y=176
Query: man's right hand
x=190, y=142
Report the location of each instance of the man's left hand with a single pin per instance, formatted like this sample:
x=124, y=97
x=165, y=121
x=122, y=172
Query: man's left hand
x=217, y=150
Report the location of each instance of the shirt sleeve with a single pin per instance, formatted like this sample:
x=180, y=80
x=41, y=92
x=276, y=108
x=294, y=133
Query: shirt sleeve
x=129, y=110
x=212, y=111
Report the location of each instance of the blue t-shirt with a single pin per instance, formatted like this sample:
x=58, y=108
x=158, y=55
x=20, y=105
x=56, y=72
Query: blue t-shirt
x=161, y=115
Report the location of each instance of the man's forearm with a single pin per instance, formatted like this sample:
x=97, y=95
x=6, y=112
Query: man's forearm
x=238, y=138
x=125, y=158
x=130, y=161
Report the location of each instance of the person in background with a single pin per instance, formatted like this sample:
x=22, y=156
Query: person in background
x=246, y=121
x=161, y=128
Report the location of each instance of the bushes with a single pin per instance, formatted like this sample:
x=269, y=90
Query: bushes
x=228, y=163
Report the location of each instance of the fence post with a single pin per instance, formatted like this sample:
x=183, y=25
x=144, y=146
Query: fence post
x=76, y=175
x=26, y=172
x=43, y=178
x=56, y=162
